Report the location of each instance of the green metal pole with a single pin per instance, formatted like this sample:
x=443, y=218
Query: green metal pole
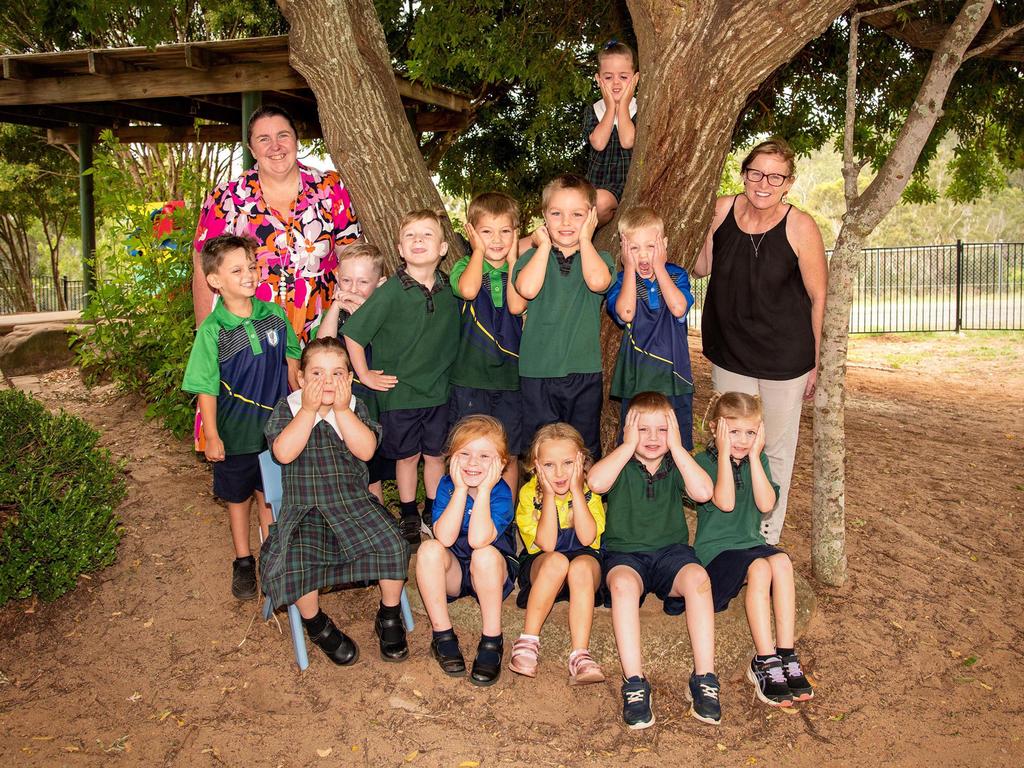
x=87, y=211
x=251, y=101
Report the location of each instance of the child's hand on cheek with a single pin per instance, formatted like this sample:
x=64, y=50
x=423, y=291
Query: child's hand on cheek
x=455, y=470
x=476, y=244
x=722, y=440
x=606, y=92
x=628, y=261
x=589, y=225
x=546, y=488
x=675, y=437
x=312, y=394
x=758, y=445
x=631, y=430
x=576, y=478
x=541, y=238
x=491, y=475
x=342, y=392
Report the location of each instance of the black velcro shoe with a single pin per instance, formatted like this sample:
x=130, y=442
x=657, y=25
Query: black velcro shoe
x=486, y=670
x=452, y=664
x=243, y=578
x=339, y=647
x=409, y=525
x=391, y=633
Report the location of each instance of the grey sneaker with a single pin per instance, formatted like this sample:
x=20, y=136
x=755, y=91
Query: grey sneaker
x=703, y=693
x=636, y=703
x=769, y=682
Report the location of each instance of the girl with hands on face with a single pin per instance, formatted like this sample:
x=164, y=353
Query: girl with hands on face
x=732, y=547
x=561, y=522
x=473, y=550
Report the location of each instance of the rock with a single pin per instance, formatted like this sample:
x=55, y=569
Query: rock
x=664, y=640
x=36, y=348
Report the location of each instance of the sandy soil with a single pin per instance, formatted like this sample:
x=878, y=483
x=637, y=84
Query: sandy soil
x=917, y=659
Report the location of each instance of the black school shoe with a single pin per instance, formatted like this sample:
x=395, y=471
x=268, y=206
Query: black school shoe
x=243, y=578
x=452, y=664
x=409, y=525
x=391, y=634
x=339, y=647
x=487, y=672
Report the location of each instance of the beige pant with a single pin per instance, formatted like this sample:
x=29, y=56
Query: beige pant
x=782, y=401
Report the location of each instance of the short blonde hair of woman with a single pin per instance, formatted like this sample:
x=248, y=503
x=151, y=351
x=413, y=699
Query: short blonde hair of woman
x=773, y=146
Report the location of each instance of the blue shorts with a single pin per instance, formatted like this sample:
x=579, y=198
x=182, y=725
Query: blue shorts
x=408, y=431
x=504, y=405
x=466, y=587
x=682, y=405
x=237, y=477
x=728, y=572
x=526, y=564
x=575, y=399
x=657, y=570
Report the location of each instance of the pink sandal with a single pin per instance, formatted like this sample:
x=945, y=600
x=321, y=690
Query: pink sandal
x=583, y=669
x=523, y=659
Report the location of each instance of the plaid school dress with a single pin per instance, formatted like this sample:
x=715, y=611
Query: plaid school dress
x=331, y=529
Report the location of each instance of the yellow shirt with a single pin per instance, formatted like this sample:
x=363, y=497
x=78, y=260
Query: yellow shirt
x=528, y=515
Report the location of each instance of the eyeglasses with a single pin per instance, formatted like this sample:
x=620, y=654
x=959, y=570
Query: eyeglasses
x=774, y=179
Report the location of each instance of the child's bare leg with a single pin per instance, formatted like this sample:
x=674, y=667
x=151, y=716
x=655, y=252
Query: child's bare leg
x=692, y=584
x=626, y=587
x=547, y=575
x=758, y=606
x=437, y=576
x=606, y=206
x=584, y=578
x=377, y=489
x=511, y=476
x=238, y=518
x=433, y=471
x=266, y=515
x=783, y=599
x=390, y=591
x=487, y=570
x=406, y=479
x=309, y=604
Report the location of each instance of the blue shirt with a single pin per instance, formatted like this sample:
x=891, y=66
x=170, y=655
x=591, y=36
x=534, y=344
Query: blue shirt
x=502, y=515
x=650, y=291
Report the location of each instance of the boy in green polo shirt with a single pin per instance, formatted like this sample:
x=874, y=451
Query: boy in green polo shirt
x=647, y=550
x=485, y=377
x=563, y=280
x=244, y=356
x=411, y=321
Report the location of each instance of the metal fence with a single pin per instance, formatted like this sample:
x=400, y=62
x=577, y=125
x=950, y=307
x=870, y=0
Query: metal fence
x=46, y=297
x=964, y=286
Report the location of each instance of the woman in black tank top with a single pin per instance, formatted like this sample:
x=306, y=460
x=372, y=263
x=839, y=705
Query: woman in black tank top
x=765, y=304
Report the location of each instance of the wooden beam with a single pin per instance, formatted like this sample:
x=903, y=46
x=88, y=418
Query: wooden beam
x=173, y=134
x=434, y=122
x=198, y=58
x=151, y=84
x=15, y=69
x=424, y=95
x=102, y=64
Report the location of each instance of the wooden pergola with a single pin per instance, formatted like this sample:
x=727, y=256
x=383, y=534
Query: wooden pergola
x=187, y=92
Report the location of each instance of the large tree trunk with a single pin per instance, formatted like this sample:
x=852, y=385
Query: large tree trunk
x=864, y=212
x=338, y=46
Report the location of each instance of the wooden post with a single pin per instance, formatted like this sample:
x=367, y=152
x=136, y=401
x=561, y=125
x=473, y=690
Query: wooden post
x=251, y=101
x=86, y=211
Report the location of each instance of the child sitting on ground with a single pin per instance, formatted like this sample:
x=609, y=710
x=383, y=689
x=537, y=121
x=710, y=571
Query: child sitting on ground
x=730, y=545
x=609, y=126
x=647, y=550
x=485, y=377
x=244, y=354
x=331, y=530
x=473, y=549
x=359, y=273
x=649, y=300
x=560, y=521
x=563, y=280
x=414, y=318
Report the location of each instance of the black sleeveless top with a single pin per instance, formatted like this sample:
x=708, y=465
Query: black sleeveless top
x=757, y=314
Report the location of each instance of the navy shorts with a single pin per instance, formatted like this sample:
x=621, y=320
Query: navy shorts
x=504, y=405
x=466, y=588
x=409, y=431
x=237, y=477
x=526, y=564
x=657, y=570
x=728, y=572
x=683, y=407
x=574, y=399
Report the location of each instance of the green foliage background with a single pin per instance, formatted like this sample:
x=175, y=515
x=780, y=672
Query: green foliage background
x=58, y=493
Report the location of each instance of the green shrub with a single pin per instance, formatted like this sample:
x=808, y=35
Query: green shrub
x=58, y=493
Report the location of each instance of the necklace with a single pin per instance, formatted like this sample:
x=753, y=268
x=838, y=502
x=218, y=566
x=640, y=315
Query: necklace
x=757, y=245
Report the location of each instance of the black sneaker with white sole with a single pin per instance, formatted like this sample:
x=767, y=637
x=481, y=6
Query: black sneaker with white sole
x=703, y=693
x=797, y=681
x=636, y=703
x=769, y=682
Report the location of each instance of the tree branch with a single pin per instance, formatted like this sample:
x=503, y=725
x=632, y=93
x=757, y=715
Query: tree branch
x=850, y=169
x=995, y=41
x=884, y=9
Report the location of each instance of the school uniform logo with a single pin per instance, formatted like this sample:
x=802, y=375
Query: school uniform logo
x=272, y=338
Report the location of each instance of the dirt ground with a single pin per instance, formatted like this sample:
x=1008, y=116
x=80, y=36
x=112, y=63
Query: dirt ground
x=917, y=659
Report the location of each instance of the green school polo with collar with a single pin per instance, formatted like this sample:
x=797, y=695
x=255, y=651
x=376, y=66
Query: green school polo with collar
x=718, y=531
x=562, y=334
x=415, y=336
x=645, y=511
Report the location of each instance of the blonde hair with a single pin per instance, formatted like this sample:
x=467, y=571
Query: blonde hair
x=773, y=146
x=640, y=217
x=731, y=405
x=471, y=428
x=649, y=402
x=493, y=204
x=557, y=431
x=366, y=251
x=568, y=181
x=422, y=214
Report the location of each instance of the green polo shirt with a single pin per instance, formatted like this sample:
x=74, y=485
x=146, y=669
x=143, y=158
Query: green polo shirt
x=645, y=511
x=718, y=531
x=415, y=337
x=563, y=326
x=490, y=280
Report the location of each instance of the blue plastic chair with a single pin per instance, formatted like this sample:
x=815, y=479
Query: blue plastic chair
x=273, y=492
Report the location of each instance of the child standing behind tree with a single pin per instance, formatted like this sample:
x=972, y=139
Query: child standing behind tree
x=609, y=126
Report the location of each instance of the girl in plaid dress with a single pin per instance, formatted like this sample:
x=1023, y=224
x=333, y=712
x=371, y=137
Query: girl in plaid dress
x=331, y=529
